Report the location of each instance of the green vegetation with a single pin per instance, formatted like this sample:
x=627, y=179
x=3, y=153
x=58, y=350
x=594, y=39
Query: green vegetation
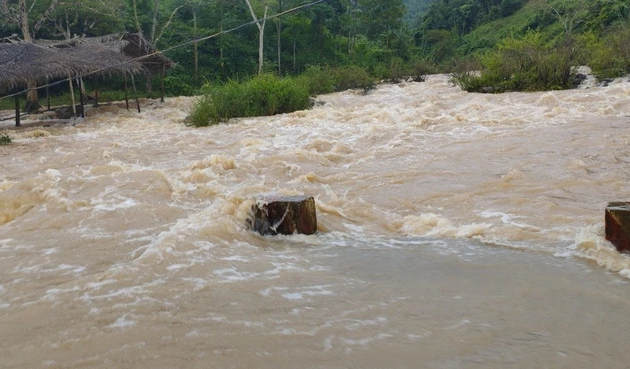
x=488, y=45
x=526, y=64
x=609, y=56
x=526, y=45
x=5, y=139
x=262, y=95
x=268, y=94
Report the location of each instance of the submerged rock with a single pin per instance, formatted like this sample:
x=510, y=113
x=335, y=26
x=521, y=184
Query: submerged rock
x=618, y=225
x=284, y=215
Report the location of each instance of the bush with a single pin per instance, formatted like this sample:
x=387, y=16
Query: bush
x=320, y=80
x=608, y=57
x=324, y=80
x=5, y=139
x=263, y=95
x=419, y=69
x=525, y=64
x=351, y=77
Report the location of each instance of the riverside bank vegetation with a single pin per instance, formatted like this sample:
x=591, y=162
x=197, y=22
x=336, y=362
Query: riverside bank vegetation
x=273, y=65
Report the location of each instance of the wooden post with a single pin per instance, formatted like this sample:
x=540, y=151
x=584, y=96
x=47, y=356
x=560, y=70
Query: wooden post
x=126, y=94
x=47, y=94
x=74, y=103
x=17, y=110
x=617, y=225
x=284, y=215
x=163, y=74
x=95, y=92
x=135, y=92
x=81, y=97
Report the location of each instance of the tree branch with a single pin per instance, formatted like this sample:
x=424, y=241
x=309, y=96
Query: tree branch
x=254, y=17
x=156, y=11
x=168, y=23
x=47, y=13
x=7, y=12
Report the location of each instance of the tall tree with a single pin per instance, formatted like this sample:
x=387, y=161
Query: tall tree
x=260, y=23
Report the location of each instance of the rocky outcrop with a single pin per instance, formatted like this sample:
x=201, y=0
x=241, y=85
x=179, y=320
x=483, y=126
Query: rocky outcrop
x=618, y=225
x=284, y=215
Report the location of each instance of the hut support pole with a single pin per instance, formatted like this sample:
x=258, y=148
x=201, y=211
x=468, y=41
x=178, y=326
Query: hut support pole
x=47, y=94
x=81, y=97
x=126, y=94
x=135, y=92
x=95, y=92
x=163, y=73
x=74, y=103
x=17, y=110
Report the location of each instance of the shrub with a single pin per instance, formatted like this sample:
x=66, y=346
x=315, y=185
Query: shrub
x=608, y=57
x=420, y=68
x=351, y=77
x=175, y=86
x=398, y=71
x=320, y=80
x=326, y=79
x=263, y=95
x=525, y=64
x=5, y=139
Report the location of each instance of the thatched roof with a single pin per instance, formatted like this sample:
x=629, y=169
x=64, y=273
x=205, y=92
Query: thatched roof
x=100, y=59
x=133, y=45
x=124, y=53
x=23, y=61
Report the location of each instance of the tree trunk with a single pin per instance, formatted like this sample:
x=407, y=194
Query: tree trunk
x=135, y=16
x=221, y=63
x=279, y=30
x=196, y=56
x=261, y=43
x=155, y=19
x=261, y=34
x=32, y=100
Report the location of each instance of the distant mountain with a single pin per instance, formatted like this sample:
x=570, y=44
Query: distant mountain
x=415, y=9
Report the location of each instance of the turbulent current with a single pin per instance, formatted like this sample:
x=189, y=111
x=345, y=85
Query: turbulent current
x=456, y=230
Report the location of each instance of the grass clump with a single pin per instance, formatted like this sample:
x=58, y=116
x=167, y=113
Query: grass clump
x=5, y=139
x=268, y=94
x=325, y=79
x=526, y=64
x=262, y=95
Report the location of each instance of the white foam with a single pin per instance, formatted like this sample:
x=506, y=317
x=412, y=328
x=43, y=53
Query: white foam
x=123, y=322
x=367, y=340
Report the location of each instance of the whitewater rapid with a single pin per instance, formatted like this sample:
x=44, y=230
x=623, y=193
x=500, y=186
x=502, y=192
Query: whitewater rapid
x=455, y=230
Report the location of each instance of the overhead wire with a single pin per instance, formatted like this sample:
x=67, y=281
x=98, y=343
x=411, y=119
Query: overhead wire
x=177, y=46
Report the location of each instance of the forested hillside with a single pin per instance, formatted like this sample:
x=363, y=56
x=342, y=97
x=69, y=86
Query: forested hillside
x=415, y=9
x=372, y=35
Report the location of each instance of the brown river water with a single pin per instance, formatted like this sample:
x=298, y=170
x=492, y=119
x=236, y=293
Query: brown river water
x=456, y=230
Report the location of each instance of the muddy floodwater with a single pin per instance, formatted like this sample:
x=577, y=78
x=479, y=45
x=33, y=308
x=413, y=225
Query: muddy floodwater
x=456, y=230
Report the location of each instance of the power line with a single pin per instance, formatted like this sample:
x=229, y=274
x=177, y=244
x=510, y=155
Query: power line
x=187, y=43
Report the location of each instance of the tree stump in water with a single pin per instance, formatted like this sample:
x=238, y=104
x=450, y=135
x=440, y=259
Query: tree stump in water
x=284, y=215
x=618, y=225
